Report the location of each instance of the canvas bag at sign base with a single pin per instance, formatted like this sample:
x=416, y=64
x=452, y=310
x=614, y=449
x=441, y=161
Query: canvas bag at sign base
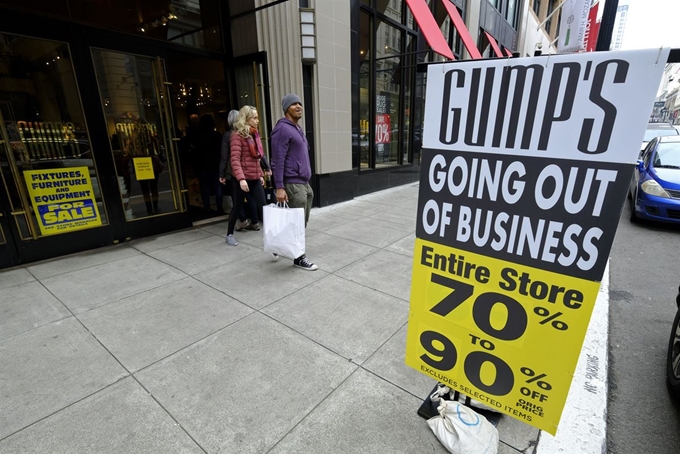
x=284, y=230
x=461, y=430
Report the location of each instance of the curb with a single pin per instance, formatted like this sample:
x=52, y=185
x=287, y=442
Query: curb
x=583, y=426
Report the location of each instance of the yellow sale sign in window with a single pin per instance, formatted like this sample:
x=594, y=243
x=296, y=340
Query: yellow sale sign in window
x=525, y=167
x=62, y=199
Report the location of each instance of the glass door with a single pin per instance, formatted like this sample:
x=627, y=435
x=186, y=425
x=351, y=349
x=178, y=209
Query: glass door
x=139, y=121
x=201, y=104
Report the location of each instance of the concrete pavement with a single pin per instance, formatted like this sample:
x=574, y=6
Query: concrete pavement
x=180, y=343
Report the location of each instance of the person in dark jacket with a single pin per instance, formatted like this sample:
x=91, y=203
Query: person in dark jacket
x=207, y=162
x=246, y=154
x=290, y=165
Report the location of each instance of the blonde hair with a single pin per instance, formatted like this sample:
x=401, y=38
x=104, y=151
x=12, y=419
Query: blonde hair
x=241, y=125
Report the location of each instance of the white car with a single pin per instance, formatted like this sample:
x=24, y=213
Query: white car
x=657, y=130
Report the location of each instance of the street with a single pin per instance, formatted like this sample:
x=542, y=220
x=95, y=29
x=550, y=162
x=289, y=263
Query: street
x=645, y=274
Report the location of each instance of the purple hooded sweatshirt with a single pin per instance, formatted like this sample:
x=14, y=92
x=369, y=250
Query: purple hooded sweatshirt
x=290, y=154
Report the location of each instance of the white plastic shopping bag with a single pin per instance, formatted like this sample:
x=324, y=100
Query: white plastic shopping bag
x=462, y=430
x=284, y=230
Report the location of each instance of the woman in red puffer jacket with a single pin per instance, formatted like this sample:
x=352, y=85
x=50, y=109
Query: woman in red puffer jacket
x=247, y=161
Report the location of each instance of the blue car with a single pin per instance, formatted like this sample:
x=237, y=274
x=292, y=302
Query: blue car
x=655, y=187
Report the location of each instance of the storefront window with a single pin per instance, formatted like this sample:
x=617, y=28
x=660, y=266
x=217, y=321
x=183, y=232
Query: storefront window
x=46, y=161
x=390, y=8
x=193, y=23
x=511, y=13
x=387, y=61
x=484, y=46
x=388, y=93
x=51, y=7
x=410, y=22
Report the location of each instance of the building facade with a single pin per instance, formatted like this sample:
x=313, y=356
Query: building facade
x=620, y=25
x=667, y=104
x=99, y=101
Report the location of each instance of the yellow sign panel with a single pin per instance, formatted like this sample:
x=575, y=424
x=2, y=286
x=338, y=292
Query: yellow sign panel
x=507, y=335
x=63, y=199
x=144, y=168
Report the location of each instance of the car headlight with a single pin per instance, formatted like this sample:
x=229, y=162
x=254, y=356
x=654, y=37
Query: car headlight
x=651, y=187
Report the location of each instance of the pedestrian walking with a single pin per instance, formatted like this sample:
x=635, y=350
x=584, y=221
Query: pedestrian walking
x=225, y=176
x=246, y=158
x=290, y=165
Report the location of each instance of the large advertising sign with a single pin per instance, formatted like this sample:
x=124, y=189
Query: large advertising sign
x=525, y=169
x=63, y=199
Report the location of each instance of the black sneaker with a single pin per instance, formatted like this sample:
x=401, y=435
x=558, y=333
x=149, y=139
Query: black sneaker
x=304, y=263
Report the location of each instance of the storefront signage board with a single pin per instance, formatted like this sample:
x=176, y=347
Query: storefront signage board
x=525, y=169
x=62, y=199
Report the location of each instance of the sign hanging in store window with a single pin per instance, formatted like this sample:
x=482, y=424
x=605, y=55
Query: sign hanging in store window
x=144, y=168
x=63, y=199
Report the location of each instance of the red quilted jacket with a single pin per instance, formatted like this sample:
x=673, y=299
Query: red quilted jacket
x=244, y=166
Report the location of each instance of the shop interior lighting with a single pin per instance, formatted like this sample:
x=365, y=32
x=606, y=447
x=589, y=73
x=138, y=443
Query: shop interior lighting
x=160, y=22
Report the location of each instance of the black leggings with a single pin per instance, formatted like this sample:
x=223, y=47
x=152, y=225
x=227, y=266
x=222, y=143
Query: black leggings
x=256, y=190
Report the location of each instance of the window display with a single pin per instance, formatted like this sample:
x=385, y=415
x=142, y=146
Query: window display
x=43, y=132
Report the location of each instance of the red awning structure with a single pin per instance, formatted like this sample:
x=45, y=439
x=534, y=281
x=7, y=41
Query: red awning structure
x=428, y=25
x=507, y=52
x=494, y=44
x=463, y=32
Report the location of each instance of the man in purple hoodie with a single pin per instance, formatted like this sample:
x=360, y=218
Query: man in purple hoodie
x=291, y=169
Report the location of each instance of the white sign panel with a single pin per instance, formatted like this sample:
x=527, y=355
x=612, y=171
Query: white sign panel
x=591, y=106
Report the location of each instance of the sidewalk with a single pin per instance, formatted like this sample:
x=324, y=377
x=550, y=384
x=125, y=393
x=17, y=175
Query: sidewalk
x=180, y=343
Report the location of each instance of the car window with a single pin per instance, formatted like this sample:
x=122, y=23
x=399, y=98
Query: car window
x=667, y=156
x=651, y=133
x=648, y=152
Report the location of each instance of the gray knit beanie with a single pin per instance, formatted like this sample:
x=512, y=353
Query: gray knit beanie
x=289, y=100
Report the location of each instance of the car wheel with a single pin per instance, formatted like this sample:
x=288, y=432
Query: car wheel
x=633, y=216
x=673, y=361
